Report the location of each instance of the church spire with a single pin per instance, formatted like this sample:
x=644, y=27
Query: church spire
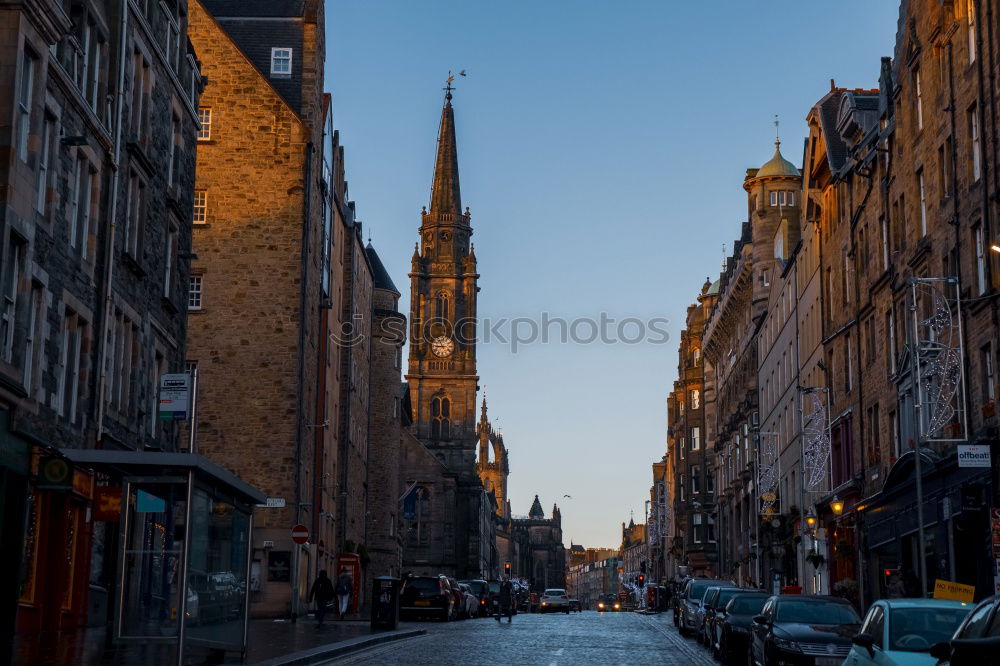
x=446, y=195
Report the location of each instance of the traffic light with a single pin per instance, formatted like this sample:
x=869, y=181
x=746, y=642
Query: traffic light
x=642, y=581
x=887, y=575
x=506, y=568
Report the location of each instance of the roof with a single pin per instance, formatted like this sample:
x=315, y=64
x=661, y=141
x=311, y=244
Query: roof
x=714, y=289
x=536, y=509
x=257, y=26
x=777, y=165
x=380, y=276
x=924, y=603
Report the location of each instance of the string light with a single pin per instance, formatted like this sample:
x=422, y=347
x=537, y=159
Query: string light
x=769, y=473
x=943, y=360
x=816, y=443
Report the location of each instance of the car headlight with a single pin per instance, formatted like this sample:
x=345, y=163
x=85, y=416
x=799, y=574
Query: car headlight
x=600, y=605
x=785, y=644
x=617, y=606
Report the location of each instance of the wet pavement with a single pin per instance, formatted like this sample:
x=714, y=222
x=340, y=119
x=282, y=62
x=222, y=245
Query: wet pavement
x=547, y=640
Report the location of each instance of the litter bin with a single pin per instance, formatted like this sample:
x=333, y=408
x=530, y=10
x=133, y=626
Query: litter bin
x=385, y=602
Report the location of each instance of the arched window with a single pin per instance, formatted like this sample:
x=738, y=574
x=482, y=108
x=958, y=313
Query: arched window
x=441, y=306
x=695, y=356
x=695, y=399
x=440, y=417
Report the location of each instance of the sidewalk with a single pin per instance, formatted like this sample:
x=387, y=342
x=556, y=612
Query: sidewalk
x=271, y=642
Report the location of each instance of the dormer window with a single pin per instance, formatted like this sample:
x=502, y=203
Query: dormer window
x=281, y=62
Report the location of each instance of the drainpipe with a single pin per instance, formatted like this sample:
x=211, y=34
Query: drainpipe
x=109, y=251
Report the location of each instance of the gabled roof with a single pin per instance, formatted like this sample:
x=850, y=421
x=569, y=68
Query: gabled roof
x=256, y=27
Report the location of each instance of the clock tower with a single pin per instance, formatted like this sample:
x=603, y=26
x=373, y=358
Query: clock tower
x=442, y=366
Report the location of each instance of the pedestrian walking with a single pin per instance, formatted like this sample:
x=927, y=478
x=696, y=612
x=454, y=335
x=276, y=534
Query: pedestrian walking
x=322, y=592
x=345, y=583
x=505, y=600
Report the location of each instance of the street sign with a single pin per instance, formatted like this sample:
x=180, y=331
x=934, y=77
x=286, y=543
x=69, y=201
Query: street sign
x=945, y=589
x=973, y=455
x=273, y=503
x=300, y=534
x=175, y=392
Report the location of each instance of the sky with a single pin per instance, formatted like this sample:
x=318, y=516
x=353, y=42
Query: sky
x=602, y=146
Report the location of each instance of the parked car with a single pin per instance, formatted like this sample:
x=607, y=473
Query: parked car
x=715, y=600
x=706, y=613
x=555, y=599
x=803, y=629
x=575, y=605
x=676, y=600
x=427, y=596
x=977, y=639
x=482, y=591
x=732, y=626
x=471, y=606
x=901, y=632
x=690, y=603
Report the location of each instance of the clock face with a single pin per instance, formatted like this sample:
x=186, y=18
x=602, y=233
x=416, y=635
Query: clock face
x=442, y=346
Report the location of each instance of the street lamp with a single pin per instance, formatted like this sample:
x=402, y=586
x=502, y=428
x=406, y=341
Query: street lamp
x=811, y=519
x=837, y=506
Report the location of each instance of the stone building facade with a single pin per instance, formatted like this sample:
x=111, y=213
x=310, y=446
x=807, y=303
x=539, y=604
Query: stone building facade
x=538, y=555
x=97, y=138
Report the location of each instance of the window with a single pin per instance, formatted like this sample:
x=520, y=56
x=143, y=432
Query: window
x=695, y=438
x=34, y=339
x=91, y=45
x=441, y=309
x=42, y=182
x=204, y=123
x=919, y=99
x=12, y=268
x=980, y=244
x=944, y=168
x=774, y=198
x=682, y=486
x=170, y=261
x=440, y=418
x=845, y=282
x=122, y=359
x=683, y=445
x=989, y=373
x=848, y=374
x=884, y=227
x=173, y=157
x=695, y=399
x=281, y=62
x=200, y=207
x=695, y=480
x=923, y=203
x=194, y=292
x=976, y=156
x=698, y=522
x=84, y=183
x=142, y=86
x=890, y=333
x=971, y=10
x=24, y=99
x=135, y=215
x=791, y=199
x=73, y=336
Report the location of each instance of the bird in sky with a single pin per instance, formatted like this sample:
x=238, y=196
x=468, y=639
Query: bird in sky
x=569, y=496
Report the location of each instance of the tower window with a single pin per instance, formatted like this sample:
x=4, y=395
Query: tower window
x=441, y=309
x=440, y=418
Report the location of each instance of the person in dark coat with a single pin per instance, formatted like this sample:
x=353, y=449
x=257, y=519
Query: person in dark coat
x=322, y=591
x=506, y=600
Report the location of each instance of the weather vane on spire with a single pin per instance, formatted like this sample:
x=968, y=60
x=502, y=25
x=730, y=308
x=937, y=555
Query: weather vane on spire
x=777, y=136
x=448, y=87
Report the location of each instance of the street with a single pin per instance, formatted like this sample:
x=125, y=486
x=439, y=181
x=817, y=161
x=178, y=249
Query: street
x=548, y=640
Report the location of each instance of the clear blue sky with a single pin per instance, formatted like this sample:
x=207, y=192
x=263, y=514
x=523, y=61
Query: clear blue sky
x=602, y=146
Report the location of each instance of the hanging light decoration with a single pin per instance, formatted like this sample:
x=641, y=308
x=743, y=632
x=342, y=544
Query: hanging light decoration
x=816, y=441
x=939, y=361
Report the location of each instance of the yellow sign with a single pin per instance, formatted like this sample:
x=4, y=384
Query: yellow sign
x=945, y=589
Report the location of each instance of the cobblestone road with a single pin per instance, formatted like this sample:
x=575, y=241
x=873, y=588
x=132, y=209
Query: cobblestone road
x=545, y=640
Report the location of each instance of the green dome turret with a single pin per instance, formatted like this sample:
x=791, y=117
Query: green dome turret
x=777, y=166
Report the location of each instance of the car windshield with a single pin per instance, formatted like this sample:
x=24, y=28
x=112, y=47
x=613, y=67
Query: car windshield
x=917, y=629
x=555, y=592
x=423, y=584
x=724, y=597
x=494, y=588
x=476, y=587
x=746, y=604
x=816, y=612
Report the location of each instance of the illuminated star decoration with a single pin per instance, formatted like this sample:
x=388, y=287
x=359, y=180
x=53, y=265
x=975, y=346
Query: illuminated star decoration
x=815, y=443
x=942, y=358
x=768, y=474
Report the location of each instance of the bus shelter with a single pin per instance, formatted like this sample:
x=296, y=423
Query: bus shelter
x=183, y=550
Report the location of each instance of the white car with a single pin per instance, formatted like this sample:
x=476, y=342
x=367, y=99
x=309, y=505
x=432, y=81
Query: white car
x=554, y=599
x=471, y=608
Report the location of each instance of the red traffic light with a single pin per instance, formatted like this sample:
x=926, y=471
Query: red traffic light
x=888, y=572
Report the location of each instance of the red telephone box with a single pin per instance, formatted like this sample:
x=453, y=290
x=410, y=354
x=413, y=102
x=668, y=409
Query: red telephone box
x=351, y=562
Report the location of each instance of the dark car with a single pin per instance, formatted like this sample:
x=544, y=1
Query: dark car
x=608, y=603
x=715, y=600
x=427, y=596
x=732, y=626
x=481, y=589
x=806, y=630
x=977, y=639
x=690, y=602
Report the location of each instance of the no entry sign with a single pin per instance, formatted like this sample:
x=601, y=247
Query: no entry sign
x=300, y=534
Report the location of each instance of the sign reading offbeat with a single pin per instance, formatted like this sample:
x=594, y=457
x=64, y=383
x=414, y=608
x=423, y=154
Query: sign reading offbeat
x=175, y=392
x=973, y=455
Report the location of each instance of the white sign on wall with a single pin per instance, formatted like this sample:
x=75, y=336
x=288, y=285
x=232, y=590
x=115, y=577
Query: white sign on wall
x=973, y=455
x=175, y=396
